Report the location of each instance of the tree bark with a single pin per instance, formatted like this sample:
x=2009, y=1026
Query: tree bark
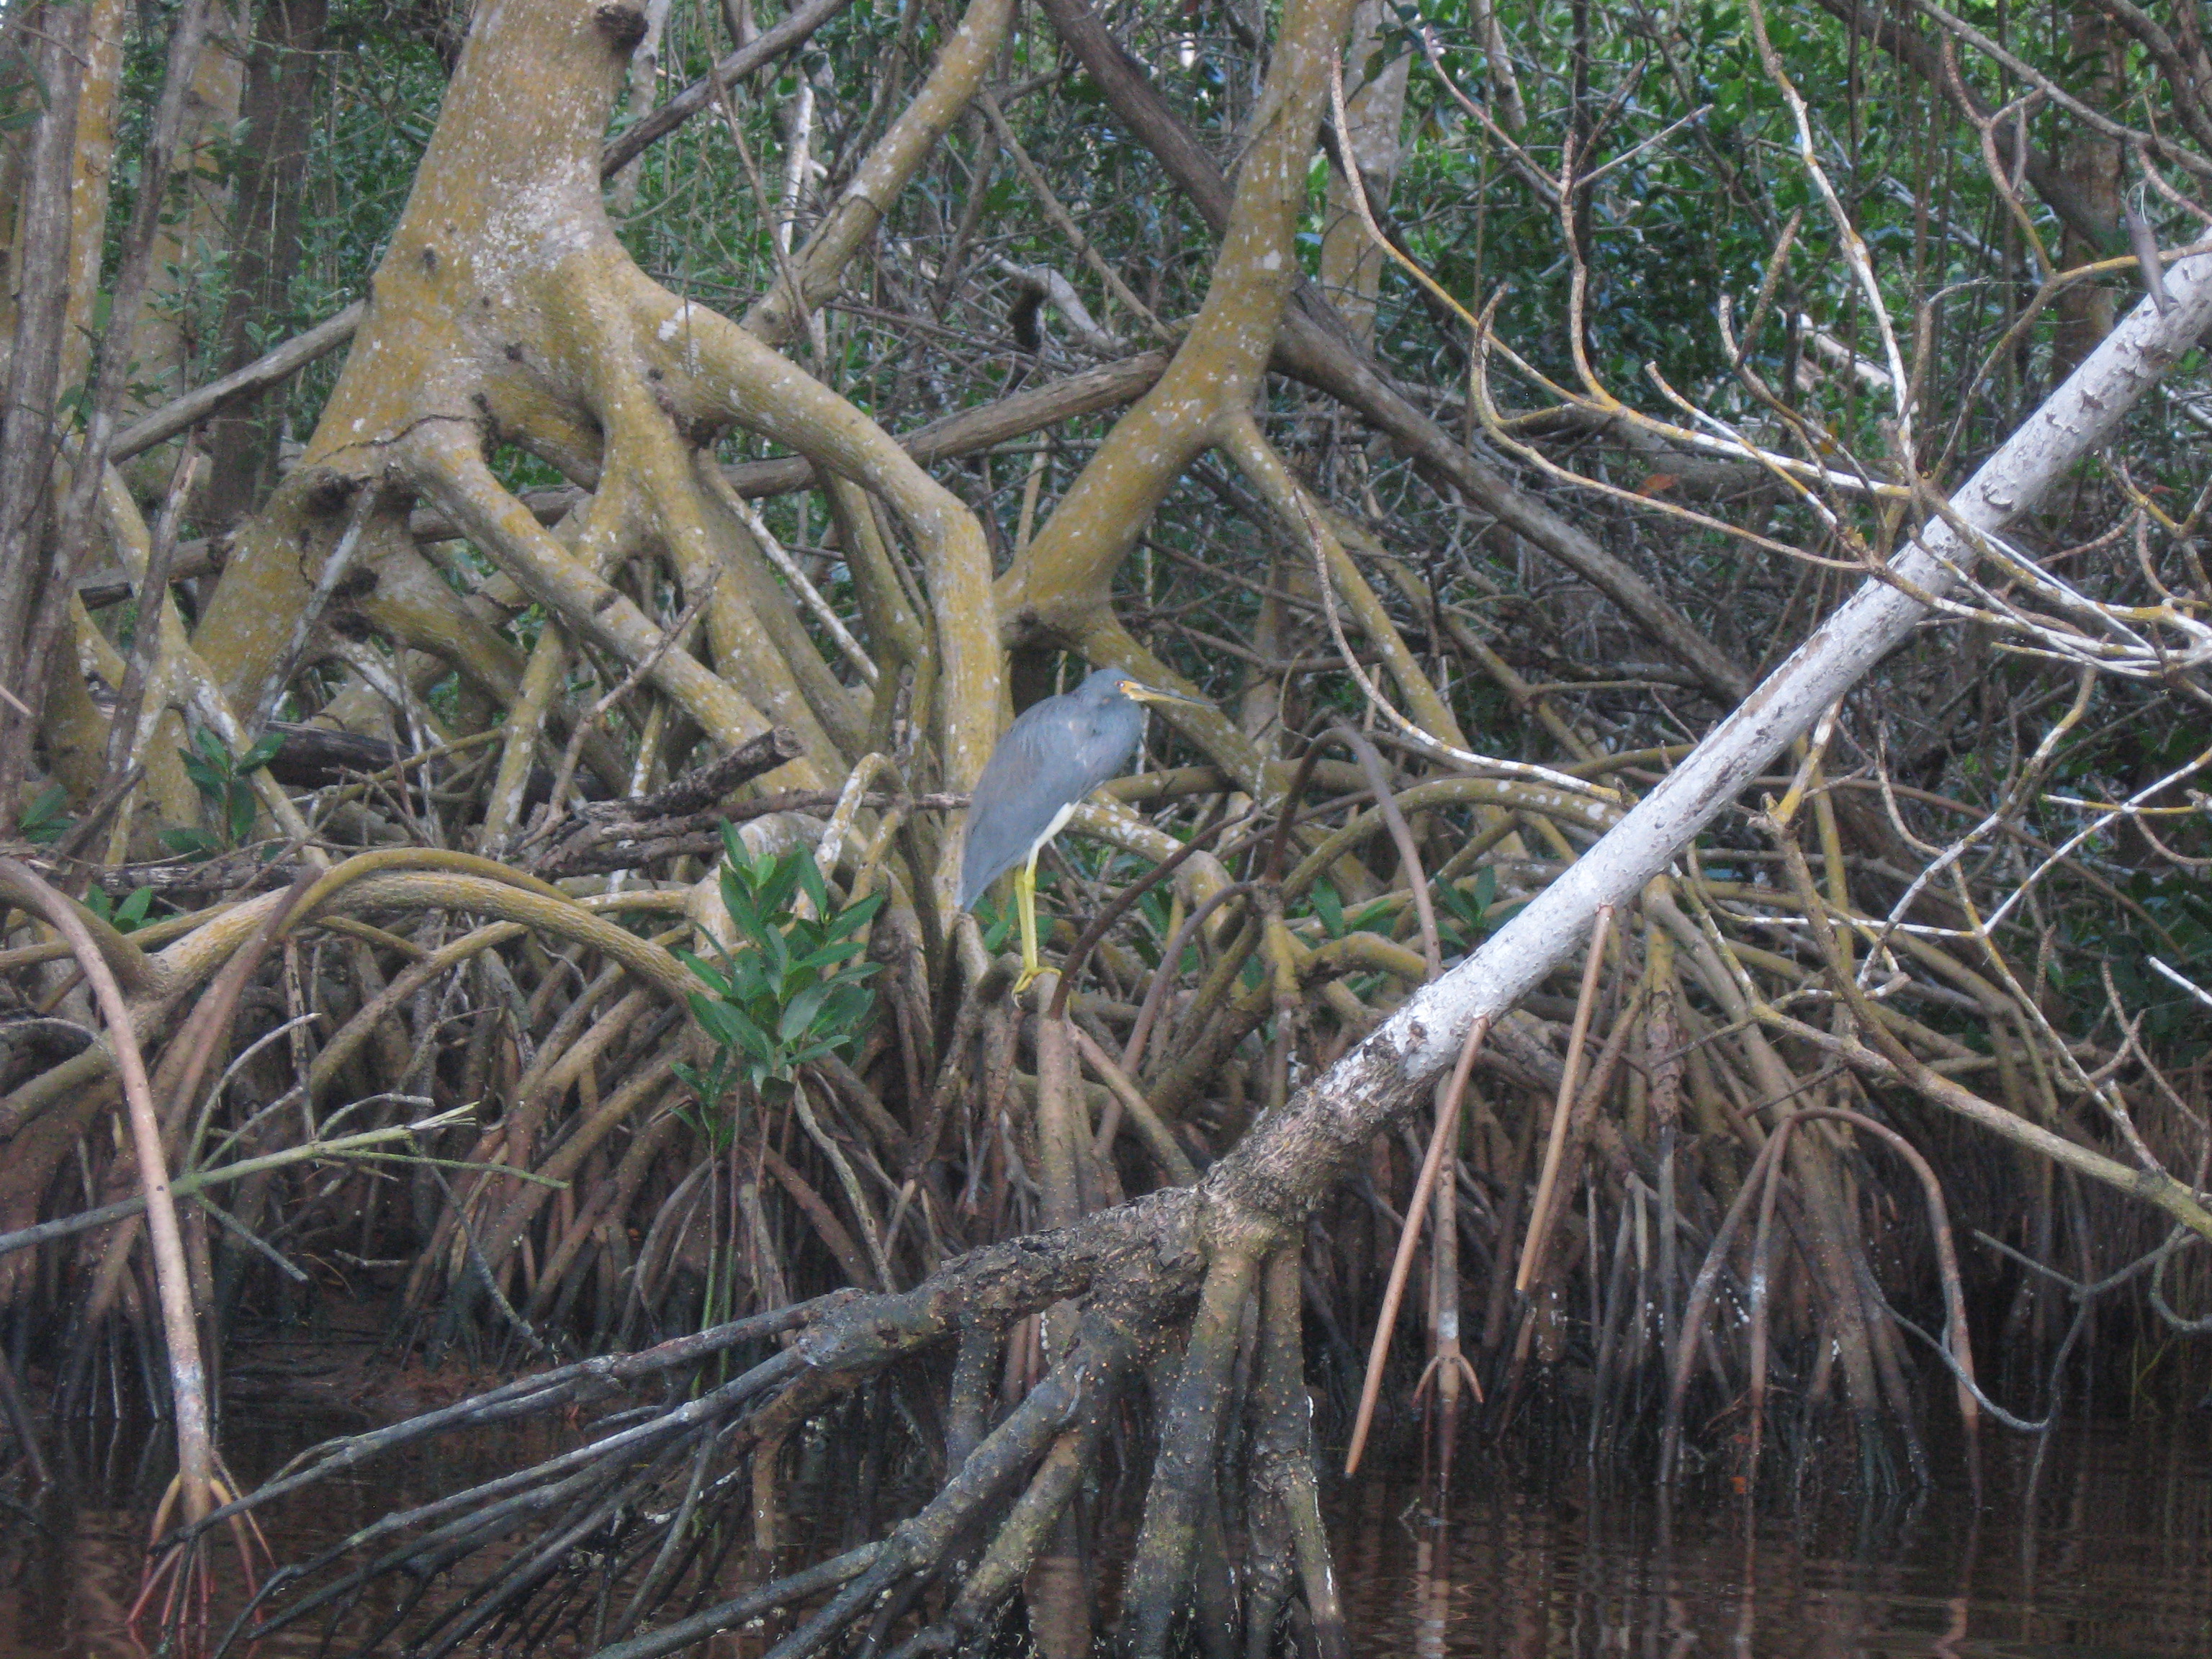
x=277, y=108
x=33, y=380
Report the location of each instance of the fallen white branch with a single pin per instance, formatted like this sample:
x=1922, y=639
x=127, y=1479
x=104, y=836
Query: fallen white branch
x=1423, y=1037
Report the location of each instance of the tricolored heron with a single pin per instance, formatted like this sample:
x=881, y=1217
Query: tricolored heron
x=1053, y=756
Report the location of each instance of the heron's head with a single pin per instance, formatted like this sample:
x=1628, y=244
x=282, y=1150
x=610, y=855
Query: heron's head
x=1112, y=682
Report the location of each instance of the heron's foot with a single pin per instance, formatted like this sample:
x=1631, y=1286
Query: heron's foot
x=1030, y=971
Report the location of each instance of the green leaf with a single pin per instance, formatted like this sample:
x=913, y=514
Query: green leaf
x=1329, y=908
x=847, y=1012
x=209, y=782
x=132, y=912
x=191, y=843
x=263, y=751
x=854, y=917
x=758, y=1043
x=739, y=903
x=828, y=955
x=243, y=808
x=1456, y=908
x=714, y=1017
x=708, y=1085
x=745, y=1031
x=1368, y=917
x=789, y=975
x=1155, y=910
x=809, y=879
x=43, y=821
x=798, y=1013
x=781, y=879
x=715, y=980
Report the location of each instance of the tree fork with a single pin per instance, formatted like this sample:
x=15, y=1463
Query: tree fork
x=484, y=325
x=1059, y=587
x=1315, y=346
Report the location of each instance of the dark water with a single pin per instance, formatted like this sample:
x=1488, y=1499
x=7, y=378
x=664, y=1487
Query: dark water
x=72, y=1556
x=2109, y=1555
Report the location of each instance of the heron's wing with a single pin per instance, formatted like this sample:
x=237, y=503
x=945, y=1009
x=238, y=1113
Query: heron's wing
x=1050, y=758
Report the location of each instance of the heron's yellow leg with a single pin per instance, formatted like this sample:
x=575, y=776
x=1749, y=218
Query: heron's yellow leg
x=1025, y=907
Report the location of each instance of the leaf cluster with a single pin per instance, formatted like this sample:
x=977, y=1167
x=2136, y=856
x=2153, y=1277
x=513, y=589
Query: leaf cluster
x=46, y=819
x=225, y=783
x=788, y=991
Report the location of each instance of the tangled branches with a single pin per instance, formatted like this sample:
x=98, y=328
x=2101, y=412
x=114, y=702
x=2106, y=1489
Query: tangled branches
x=511, y=980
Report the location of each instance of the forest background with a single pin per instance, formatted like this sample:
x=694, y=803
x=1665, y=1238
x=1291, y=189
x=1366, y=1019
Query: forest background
x=519, y=529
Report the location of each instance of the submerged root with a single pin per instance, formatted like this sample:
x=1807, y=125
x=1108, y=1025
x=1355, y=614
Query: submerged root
x=636, y=1506
x=176, y=1596
x=654, y=1481
x=1182, y=1495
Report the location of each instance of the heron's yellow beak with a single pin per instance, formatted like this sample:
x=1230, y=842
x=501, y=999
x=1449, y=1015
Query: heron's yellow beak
x=1138, y=691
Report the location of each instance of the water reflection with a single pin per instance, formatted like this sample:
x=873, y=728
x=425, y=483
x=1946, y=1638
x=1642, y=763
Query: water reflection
x=2114, y=1561
x=2109, y=1557
x=71, y=1557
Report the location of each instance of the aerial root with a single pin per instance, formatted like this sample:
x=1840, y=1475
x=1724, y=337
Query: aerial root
x=1028, y=1528
x=1107, y=1347
x=179, y=1573
x=1183, y=1470
x=1288, y=1532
